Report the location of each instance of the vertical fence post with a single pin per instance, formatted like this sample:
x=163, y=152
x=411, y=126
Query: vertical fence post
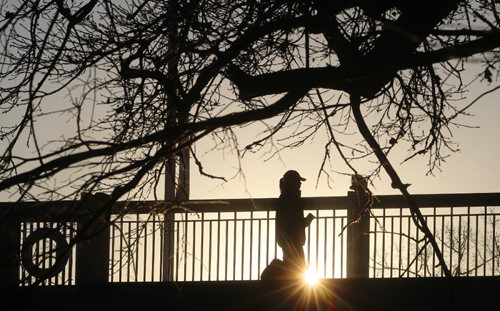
x=9, y=252
x=358, y=239
x=92, y=253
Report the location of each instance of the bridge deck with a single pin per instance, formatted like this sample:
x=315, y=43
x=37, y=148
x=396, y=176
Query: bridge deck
x=471, y=293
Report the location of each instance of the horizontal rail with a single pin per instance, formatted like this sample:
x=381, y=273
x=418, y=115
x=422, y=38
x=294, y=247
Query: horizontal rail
x=66, y=210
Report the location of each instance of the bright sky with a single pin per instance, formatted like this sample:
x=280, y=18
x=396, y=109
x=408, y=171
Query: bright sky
x=475, y=168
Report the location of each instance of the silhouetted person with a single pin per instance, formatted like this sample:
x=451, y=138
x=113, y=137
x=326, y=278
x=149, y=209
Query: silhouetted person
x=290, y=221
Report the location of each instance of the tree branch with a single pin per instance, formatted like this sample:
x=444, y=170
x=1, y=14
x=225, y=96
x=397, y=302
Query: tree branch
x=350, y=78
x=396, y=181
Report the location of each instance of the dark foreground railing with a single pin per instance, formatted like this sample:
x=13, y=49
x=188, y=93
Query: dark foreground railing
x=234, y=240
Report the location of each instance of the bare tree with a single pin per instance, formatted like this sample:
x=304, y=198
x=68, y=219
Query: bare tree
x=142, y=80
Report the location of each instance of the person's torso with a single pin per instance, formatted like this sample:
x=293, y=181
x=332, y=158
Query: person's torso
x=290, y=220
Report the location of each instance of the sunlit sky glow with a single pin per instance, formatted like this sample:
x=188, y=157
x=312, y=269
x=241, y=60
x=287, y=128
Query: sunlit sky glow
x=475, y=168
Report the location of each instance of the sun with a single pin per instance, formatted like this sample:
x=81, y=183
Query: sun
x=311, y=277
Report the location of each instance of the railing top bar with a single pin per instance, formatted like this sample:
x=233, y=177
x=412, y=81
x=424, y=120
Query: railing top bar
x=342, y=203
x=440, y=200
x=57, y=210
x=41, y=211
x=262, y=204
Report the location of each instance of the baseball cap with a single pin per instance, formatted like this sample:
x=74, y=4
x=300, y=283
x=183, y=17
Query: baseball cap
x=292, y=174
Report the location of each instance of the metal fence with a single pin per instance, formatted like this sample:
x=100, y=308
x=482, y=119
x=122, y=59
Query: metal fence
x=468, y=237
x=216, y=245
x=136, y=248
x=224, y=246
x=235, y=240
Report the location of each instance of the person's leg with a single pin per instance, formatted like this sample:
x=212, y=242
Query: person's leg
x=293, y=256
x=300, y=259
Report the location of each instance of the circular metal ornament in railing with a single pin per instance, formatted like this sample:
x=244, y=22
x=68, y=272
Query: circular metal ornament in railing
x=60, y=251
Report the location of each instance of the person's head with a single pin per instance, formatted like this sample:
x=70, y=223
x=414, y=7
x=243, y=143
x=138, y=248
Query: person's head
x=291, y=181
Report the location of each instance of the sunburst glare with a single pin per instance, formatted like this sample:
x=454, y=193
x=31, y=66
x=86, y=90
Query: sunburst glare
x=311, y=277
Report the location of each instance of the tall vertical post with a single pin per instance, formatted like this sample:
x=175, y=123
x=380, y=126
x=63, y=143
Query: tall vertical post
x=176, y=189
x=182, y=193
x=168, y=230
x=169, y=179
x=358, y=239
x=168, y=247
x=92, y=252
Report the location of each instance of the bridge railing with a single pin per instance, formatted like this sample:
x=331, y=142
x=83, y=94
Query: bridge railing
x=228, y=240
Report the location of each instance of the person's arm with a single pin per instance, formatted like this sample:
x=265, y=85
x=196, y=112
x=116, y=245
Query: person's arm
x=309, y=219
